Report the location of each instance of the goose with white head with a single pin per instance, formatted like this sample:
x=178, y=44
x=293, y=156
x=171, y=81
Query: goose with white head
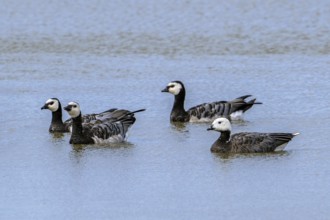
x=56, y=125
x=105, y=131
x=206, y=112
x=247, y=142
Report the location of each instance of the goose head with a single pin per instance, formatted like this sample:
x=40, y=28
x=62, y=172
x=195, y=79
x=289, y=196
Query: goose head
x=175, y=88
x=221, y=125
x=73, y=109
x=52, y=104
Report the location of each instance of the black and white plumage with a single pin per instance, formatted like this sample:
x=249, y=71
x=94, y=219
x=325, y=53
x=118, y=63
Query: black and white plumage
x=109, y=130
x=208, y=111
x=247, y=142
x=57, y=124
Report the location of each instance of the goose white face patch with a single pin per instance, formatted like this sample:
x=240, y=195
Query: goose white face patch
x=221, y=124
x=75, y=109
x=174, y=88
x=52, y=104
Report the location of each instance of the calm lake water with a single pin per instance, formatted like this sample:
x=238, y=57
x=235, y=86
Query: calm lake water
x=107, y=54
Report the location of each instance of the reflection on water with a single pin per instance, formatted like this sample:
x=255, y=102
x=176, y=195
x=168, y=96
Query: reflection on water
x=259, y=156
x=83, y=147
x=179, y=126
x=57, y=135
x=80, y=152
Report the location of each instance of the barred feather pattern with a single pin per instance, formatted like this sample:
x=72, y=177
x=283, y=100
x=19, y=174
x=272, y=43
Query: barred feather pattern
x=209, y=111
x=111, y=129
x=109, y=132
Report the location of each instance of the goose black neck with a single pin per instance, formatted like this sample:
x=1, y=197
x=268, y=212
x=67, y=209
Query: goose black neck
x=221, y=145
x=224, y=136
x=179, y=101
x=77, y=128
x=57, y=116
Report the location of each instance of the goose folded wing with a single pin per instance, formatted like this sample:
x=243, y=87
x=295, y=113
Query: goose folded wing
x=281, y=138
x=107, y=130
x=220, y=108
x=249, y=142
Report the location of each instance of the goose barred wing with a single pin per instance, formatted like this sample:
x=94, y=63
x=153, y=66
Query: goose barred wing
x=111, y=115
x=221, y=108
x=118, y=115
x=90, y=118
x=210, y=110
x=108, y=129
x=115, y=126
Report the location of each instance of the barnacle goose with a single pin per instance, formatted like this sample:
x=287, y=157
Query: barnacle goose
x=101, y=131
x=247, y=142
x=57, y=125
x=207, y=111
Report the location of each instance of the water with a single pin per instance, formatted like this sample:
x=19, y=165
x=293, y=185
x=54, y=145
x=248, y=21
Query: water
x=122, y=54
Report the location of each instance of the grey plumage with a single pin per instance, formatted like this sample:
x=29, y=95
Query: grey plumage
x=206, y=111
x=107, y=130
x=247, y=142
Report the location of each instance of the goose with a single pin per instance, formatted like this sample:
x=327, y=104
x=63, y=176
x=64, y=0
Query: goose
x=57, y=124
x=208, y=111
x=247, y=142
x=110, y=130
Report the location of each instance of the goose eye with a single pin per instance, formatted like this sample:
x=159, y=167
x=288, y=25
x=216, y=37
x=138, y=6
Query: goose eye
x=75, y=106
x=219, y=122
x=51, y=103
x=171, y=86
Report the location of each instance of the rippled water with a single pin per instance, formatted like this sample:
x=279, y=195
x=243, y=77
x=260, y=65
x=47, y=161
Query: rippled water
x=121, y=54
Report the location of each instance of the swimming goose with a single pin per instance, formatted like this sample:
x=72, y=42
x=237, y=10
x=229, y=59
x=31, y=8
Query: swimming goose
x=57, y=125
x=100, y=131
x=207, y=111
x=247, y=142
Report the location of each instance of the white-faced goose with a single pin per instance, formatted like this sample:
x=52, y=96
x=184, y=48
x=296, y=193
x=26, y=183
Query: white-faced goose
x=208, y=111
x=100, y=131
x=247, y=142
